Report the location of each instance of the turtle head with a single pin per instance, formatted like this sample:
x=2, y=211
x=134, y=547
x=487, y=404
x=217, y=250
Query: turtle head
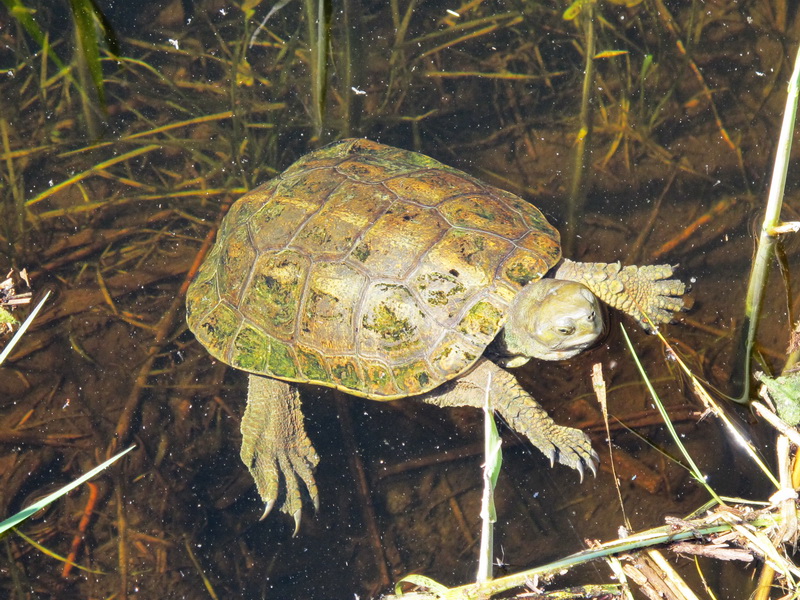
x=551, y=319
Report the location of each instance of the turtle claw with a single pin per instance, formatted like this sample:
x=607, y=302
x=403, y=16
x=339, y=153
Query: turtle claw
x=282, y=472
x=570, y=447
x=593, y=464
x=659, y=298
x=276, y=449
x=267, y=509
x=566, y=445
x=297, y=516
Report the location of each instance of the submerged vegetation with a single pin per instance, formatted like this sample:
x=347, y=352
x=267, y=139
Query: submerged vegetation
x=127, y=130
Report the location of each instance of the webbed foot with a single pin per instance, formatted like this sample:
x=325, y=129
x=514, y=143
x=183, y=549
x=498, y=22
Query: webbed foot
x=523, y=414
x=642, y=292
x=275, y=447
x=566, y=445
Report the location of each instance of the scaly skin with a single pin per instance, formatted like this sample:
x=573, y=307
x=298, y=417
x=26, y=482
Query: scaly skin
x=523, y=414
x=275, y=446
x=280, y=456
x=383, y=272
x=551, y=319
x=642, y=292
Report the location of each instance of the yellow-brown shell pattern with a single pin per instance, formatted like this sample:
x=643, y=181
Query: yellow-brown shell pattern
x=375, y=270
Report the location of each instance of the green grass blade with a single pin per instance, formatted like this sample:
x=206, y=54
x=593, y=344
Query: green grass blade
x=83, y=15
x=23, y=328
x=24, y=16
x=109, y=35
x=693, y=469
x=48, y=552
x=40, y=504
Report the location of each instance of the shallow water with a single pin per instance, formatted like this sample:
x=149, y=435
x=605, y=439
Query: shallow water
x=195, y=119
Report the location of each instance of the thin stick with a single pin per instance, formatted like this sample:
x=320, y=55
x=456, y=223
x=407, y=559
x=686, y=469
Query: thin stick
x=162, y=332
x=371, y=534
x=83, y=525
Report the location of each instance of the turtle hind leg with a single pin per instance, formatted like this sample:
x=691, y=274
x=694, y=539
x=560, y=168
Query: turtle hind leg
x=275, y=447
x=521, y=412
x=642, y=292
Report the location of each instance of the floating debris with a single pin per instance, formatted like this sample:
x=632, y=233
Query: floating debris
x=10, y=298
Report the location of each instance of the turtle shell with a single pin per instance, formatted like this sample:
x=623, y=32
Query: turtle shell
x=367, y=268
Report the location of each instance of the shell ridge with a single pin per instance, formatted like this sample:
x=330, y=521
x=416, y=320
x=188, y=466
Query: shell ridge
x=304, y=299
x=479, y=230
x=229, y=346
x=204, y=318
x=299, y=229
x=425, y=306
x=501, y=265
x=369, y=228
x=358, y=315
x=497, y=274
x=200, y=318
x=357, y=322
x=248, y=279
x=399, y=200
x=301, y=305
x=421, y=256
x=434, y=345
x=525, y=231
x=474, y=300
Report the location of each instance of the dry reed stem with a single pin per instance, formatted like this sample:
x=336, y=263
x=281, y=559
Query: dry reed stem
x=83, y=526
x=163, y=330
x=719, y=208
x=672, y=27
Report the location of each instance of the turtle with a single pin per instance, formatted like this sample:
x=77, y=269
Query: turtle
x=386, y=274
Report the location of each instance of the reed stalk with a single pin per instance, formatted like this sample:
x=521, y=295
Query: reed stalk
x=766, y=241
x=318, y=17
x=579, y=183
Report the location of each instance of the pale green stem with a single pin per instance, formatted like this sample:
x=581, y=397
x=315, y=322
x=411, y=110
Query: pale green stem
x=348, y=19
x=655, y=537
x=493, y=459
x=766, y=240
x=578, y=186
x=318, y=29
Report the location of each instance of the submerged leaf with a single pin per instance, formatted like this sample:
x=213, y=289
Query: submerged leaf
x=610, y=53
x=83, y=15
x=24, y=15
x=574, y=9
x=249, y=8
x=785, y=393
x=6, y=318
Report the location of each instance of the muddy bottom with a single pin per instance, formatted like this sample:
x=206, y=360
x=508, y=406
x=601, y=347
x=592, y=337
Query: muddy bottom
x=400, y=482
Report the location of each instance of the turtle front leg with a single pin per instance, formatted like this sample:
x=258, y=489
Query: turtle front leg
x=275, y=446
x=637, y=291
x=523, y=414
